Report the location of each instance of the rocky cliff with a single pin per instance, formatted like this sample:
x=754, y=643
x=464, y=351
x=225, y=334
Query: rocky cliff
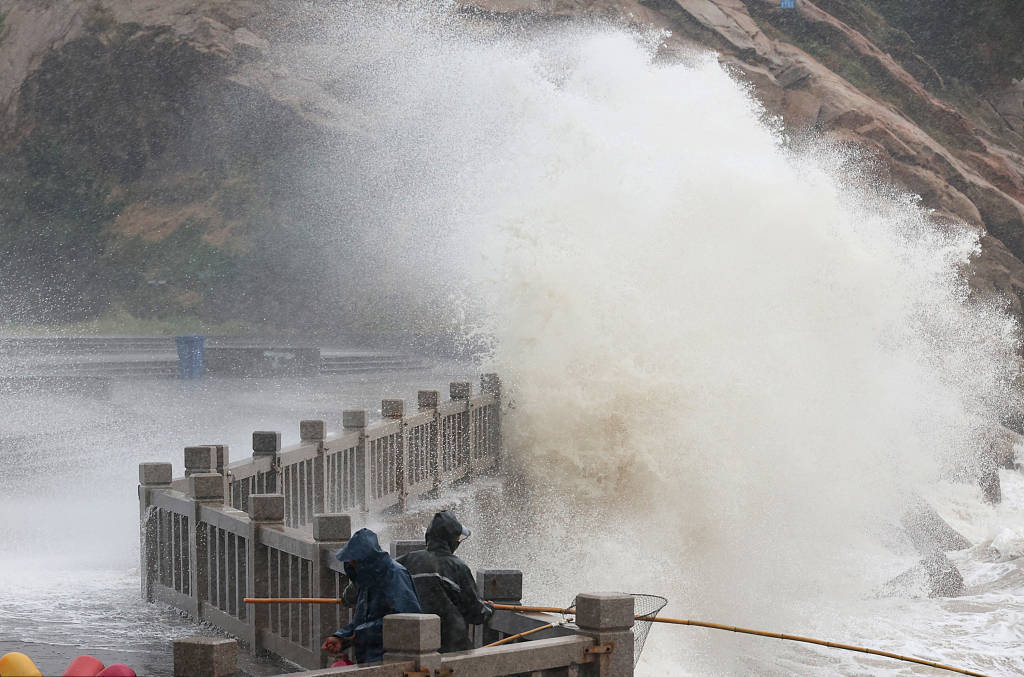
x=149, y=149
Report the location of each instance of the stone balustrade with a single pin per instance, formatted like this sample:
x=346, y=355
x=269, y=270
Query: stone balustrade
x=269, y=525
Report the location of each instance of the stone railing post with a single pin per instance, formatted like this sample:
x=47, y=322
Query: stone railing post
x=206, y=487
x=462, y=391
x=315, y=432
x=609, y=620
x=203, y=487
x=395, y=410
x=355, y=419
x=413, y=637
x=265, y=510
x=202, y=459
x=220, y=465
x=152, y=476
x=491, y=384
x=205, y=657
x=267, y=443
x=330, y=532
x=502, y=586
x=429, y=400
x=208, y=458
x=404, y=547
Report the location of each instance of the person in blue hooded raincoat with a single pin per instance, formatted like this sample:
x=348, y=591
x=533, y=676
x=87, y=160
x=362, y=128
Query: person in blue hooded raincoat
x=385, y=587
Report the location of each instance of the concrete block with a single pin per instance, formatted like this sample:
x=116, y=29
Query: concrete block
x=200, y=459
x=205, y=657
x=935, y=573
x=266, y=507
x=353, y=418
x=206, y=486
x=312, y=431
x=428, y=399
x=460, y=390
x=332, y=527
x=154, y=473
x=504, y=586
x=604, y=612
x=266, y=442
x=399, y=548
x=928, y=532
x=392, y=408
x=412, y=633
x=991, y=489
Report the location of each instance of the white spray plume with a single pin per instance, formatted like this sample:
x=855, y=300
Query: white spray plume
x=729, y=363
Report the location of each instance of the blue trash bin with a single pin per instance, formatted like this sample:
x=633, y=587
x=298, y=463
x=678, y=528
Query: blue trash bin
x=191, y=362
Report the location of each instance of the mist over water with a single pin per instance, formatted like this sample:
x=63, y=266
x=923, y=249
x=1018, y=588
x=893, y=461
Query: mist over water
x=729, y=362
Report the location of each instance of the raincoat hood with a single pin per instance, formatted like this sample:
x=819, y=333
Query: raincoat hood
x=364, y=549
x=445, y=530
x=385, y=587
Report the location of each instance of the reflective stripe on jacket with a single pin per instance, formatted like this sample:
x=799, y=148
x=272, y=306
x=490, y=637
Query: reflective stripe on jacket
x=445, y=585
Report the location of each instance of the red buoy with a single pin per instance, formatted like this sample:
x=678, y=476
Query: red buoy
x=84, y=666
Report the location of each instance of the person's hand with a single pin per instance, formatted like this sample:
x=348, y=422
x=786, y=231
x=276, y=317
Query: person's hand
x=336, y=644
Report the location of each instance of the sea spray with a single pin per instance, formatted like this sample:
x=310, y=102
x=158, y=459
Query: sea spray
x=728, y=363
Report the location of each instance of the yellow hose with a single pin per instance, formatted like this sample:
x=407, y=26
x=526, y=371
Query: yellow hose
x=512, y=638
x=654, y=619
x=759, y=633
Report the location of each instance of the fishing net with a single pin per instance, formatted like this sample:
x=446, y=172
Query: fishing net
x=644, y=606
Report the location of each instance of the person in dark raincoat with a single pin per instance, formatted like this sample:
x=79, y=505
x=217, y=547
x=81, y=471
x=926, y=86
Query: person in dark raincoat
x=385, y=587
x=444, y=583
